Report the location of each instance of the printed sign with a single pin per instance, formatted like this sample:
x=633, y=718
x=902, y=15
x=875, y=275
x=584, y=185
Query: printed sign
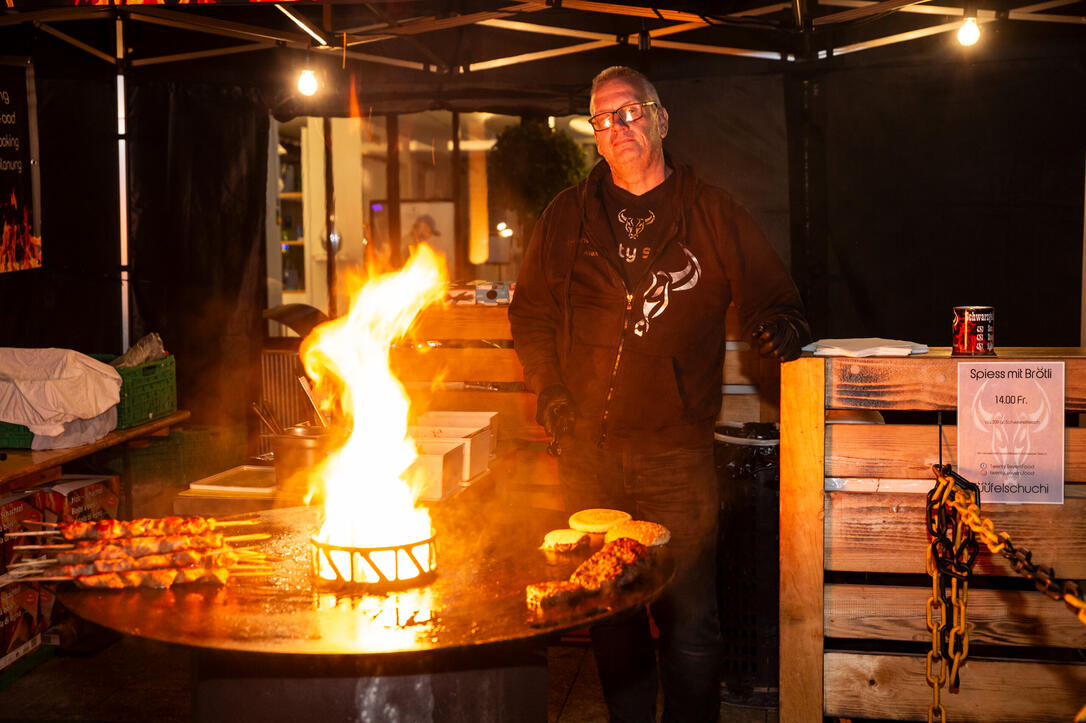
x=1010, y=430
x=20, y=238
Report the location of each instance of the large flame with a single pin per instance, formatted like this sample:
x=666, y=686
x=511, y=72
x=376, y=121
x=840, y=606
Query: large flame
x=367, y=503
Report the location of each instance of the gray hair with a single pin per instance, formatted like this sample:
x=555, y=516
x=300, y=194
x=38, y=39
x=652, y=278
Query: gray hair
x=635, y=78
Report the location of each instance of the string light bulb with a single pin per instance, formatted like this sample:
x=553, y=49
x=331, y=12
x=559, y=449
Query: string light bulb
x=969, y=32
x=307, y=82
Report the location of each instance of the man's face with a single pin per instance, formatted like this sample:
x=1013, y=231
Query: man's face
x=637, y=143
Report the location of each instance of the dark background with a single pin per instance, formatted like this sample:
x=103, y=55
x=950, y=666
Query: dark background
x=899, y=182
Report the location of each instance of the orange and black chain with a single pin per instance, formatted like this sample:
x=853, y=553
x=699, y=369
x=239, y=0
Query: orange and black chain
x=1043, y=577
x=950, y=558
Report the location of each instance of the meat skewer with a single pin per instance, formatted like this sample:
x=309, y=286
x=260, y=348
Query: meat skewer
x=160, y=579
x=144, y=527
x=222, y=557
x=89, y=551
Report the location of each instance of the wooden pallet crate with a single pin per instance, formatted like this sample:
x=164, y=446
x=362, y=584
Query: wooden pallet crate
x=852, y=553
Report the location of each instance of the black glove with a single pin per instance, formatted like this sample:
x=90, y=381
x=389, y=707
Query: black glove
x=554, y=411
x=780, y=337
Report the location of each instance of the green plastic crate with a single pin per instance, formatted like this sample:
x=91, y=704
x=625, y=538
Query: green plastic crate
x=148, y=391
x=15, y=436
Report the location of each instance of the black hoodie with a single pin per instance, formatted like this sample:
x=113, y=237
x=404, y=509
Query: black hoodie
x=643, y=364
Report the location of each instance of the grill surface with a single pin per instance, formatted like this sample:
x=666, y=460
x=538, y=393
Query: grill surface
x=486, y=555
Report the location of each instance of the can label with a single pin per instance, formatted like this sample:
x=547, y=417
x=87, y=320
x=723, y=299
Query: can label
x=974, y=330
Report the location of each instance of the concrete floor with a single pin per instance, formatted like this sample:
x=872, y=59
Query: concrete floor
x=136, y=680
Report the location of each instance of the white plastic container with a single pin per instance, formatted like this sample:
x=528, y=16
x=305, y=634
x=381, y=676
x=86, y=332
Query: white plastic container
x=476, y=444
x=475, y=420
x=439, y=468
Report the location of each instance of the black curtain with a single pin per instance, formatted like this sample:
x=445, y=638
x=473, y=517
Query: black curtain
x=198, y=154
x=956, y=181
x=73, y=301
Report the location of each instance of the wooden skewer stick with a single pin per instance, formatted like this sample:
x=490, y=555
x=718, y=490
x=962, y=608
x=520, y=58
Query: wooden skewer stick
x=40, y=522
x=42, y=547
x=251, y=537
x=30, y=533
x=234, y=523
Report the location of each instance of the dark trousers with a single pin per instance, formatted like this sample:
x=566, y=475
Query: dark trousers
x=679, y=490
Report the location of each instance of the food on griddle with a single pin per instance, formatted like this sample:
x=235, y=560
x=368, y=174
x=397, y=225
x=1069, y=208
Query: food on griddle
x=89, y=551
x=649, y=534
x=543, y=596
x=160, y=579
x=221, y=557
x=141, y=527
x=597, y=520
x=564, y=541
x=618, y=563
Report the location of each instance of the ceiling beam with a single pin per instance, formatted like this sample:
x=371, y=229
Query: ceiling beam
x=1022, y=13
x=187, y=21
x=77, y=43
x=856, y=13
x=431, y=23
x=717, y=50
x=541, y=55
x=544, y=29
x=905, y=37
x=196, y=55
x=54, y=15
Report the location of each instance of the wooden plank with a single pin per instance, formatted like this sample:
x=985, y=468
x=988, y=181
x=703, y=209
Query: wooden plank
x=516, y=410
x=907, y=451
x=741, y=366
x=473, y=365
x=22, y=462
x=914, y=486
x=996, y=617
x=801, y=508
x=462, y=322
x=887, y=533
x=930, y=381
x=894, y=686
x=740, y=408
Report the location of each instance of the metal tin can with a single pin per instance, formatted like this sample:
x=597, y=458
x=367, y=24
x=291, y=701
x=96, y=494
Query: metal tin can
x=974, y=331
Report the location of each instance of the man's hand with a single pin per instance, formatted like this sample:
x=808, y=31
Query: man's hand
x=779, y=338
x=554, y=411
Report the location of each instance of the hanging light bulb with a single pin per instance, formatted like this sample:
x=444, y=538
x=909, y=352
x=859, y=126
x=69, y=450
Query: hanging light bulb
x=307, y=82
x=969, y=32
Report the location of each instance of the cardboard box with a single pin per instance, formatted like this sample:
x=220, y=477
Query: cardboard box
x=476, y=444
x=438, y=469
x=19, y=629
x=79, y=497
x=15, y=511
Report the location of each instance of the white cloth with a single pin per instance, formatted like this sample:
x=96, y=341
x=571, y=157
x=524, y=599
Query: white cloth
x=867, y=346
x=45, y=389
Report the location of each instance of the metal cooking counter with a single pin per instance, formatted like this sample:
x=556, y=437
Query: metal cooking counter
x=463, y=648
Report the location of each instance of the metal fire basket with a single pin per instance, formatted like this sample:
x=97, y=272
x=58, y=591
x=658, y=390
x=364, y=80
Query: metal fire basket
x=355, y=568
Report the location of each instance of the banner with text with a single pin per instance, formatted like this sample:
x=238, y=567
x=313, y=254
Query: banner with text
x=1010, y=430
x=20, y=235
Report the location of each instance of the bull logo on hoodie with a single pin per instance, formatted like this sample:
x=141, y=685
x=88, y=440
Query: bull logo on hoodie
x=634, y=225
x=663, y=283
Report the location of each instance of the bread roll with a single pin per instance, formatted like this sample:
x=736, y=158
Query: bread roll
x=645, y=532
x=597, y=520
x=564, y=540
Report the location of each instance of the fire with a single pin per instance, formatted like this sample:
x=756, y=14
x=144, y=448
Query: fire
x=367, y=501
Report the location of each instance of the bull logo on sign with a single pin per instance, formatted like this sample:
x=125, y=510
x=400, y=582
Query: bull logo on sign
x=1011, y=432
x=634, y=226
x=658, y=294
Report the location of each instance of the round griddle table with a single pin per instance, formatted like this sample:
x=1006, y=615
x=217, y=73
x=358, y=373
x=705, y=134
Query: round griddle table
x=462, y=648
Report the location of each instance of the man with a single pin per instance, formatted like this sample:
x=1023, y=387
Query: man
x=618, y=321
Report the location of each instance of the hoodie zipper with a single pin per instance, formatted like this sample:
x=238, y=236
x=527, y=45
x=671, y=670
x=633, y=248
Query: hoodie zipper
x=614, y=367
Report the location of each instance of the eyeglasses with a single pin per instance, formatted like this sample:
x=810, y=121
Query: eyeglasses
x=628, y=113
